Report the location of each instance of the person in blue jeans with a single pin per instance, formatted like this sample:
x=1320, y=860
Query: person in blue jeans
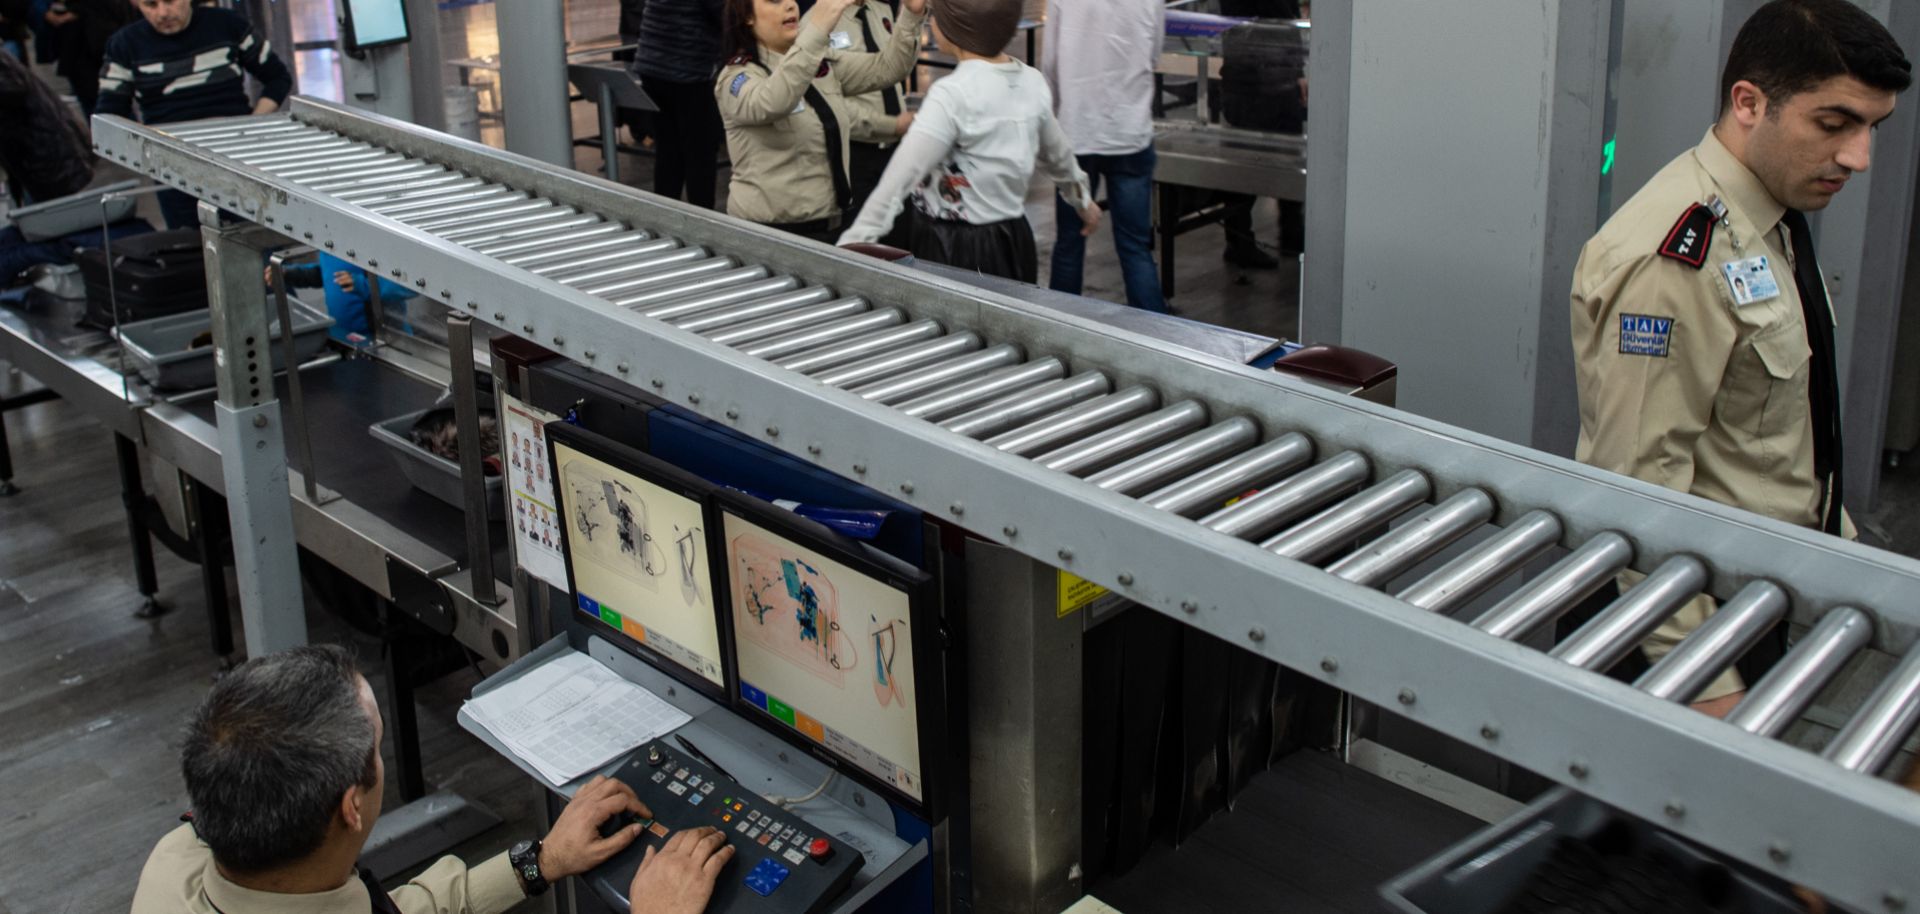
x=348, y=301
x=1129, y=183
x=1099, y=60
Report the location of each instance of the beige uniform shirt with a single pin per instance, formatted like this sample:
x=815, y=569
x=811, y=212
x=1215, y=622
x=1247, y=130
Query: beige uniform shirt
x=776, y=142
x=180, y=877
x=868, y=110
x=1715, y=402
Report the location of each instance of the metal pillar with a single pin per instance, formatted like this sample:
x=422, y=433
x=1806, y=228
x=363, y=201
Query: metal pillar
x=1466, y=291
x=379, y=80
x=426, y=65
x=252, y=444
x=533, y=81
x=1024, y=696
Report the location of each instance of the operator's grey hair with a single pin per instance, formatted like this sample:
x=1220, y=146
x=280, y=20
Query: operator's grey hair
x=270, y=752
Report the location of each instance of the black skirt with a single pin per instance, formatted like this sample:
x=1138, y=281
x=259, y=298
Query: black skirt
x=1002, y=248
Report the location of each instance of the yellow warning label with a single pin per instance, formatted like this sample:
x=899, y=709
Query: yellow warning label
x=1076, y=592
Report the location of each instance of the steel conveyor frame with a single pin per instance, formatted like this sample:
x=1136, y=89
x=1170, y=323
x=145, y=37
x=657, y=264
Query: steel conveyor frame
x=1777, y=807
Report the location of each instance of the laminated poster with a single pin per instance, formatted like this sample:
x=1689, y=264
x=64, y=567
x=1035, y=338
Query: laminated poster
x=536, y=522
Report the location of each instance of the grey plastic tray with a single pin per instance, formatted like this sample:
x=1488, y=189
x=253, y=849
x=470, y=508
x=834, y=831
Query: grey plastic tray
x=161, y=347
x=72, y=213
x=1485, y=873
x=430, y=472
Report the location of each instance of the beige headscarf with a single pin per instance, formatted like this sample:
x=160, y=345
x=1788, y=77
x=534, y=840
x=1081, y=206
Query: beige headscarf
x=983, y=27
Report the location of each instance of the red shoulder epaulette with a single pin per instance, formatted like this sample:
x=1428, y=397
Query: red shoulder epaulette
x=1690, y=237
x=741, y=59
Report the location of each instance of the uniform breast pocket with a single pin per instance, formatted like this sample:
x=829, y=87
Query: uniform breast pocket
x=1784, y=357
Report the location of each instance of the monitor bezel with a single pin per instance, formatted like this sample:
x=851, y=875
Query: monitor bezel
x=929, y=654
x=352, y=34
x=632, y=460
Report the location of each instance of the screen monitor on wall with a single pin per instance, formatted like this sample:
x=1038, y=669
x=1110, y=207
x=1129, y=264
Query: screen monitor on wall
x=835, y=649
x=375, y=23
x=640, y=564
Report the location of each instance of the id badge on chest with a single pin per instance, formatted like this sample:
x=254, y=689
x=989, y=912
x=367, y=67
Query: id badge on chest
x=840, y=41
x=1751, y=280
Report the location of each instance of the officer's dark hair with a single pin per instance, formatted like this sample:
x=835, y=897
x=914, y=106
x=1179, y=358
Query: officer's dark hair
x=737, y=42
x=1790, y=46
x=270, y=752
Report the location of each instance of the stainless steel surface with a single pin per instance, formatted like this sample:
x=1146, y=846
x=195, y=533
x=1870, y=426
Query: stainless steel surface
x=776, y=324
x=1289, y=499
x=889, y=363
x=940, y=404
x=636, y=246
x=1222, y=158
x=1100, y=450
x=1627, y=621
x=1175, y=458
x=1021, y=405
x=400, y=187
x=441, y=195
x=473, y=476
x=846, y=328
x=625, y=261
x=1779, y=698
x=1257, y=467
x=1726, y=635
x=502, y=227
x=1048, y=431
x=1322, y=535
x=781, y=306
x=1638, y=752
x=690, y=280
x=1415, y=541
x=486, y=218
x=1873, y=736
x=903, y=386
x=1470, y=575
x=296, y=393
x=673, y=308
x=840, y=352
x=539, y=245
x=1550, y=595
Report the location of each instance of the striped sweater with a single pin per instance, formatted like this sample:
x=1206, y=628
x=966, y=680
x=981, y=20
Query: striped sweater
x=192, y=74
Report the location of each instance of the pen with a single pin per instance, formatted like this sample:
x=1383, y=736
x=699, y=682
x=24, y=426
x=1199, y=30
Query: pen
x=688, y=745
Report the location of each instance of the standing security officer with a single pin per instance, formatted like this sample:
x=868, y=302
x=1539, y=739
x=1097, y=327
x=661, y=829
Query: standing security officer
x=879, y=118
x=1702, y=333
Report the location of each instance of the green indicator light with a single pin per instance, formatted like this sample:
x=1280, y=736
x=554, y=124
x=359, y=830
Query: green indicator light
x=1606, y=167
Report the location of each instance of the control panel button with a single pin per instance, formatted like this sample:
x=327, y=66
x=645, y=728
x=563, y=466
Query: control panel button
x=755, y=833
x=820, y=850
x=775, y=845
x=766, y=877
x=743, y=826
x=681, y=774
x=794, y=856
x=677, y=788
x=659, y=776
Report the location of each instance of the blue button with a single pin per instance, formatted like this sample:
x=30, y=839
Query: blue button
x=753, y=696
x=588, y=605
x=766, y=877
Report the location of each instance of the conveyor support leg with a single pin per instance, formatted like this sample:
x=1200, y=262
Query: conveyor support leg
x=133, y=495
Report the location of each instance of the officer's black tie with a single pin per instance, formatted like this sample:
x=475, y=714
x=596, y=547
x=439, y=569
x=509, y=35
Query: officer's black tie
x=1823, y=388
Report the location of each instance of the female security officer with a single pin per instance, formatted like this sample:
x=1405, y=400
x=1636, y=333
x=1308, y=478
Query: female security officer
x=782, y=99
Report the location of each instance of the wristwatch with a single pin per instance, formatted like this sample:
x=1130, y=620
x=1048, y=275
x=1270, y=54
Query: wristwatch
x=525, y=858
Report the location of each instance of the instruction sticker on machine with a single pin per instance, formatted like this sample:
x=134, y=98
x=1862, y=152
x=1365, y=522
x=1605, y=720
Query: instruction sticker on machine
x=536, y=524
x=1076, y=592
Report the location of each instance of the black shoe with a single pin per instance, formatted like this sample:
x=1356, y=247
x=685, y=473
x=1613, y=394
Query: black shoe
x=1249, y=257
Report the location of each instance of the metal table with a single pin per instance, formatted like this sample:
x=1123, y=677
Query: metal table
x=1223, y=159
x=1103, y=452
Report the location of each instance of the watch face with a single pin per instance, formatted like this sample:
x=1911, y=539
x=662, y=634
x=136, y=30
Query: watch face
x=520, y=848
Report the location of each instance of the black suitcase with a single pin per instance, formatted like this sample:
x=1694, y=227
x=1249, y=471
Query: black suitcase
x=152, y=275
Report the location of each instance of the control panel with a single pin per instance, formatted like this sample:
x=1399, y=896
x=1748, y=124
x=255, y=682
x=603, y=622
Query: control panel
x=781, y=863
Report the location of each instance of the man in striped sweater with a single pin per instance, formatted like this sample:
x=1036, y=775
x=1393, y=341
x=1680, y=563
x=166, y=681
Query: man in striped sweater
x=183, y=63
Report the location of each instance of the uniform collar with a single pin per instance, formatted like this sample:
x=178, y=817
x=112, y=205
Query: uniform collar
x=231, y=898
x=1740, y=188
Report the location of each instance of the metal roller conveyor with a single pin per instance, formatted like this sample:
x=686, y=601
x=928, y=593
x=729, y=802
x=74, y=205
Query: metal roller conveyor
x=1258, y=466
x=1726, y=636
x=1416, y=540
x=1780, y=697
x=1125, y=440
x=626, y=262
x=811, y=316
x=959, y=397
x=1485, y=565
x=780, y=305
x=1052, y=430
x=895, y=389
x=1321, y=535
x=1169, y=461
x=1291, y=498
x=328, y=172
x=1875, y=733
x=1565, y=584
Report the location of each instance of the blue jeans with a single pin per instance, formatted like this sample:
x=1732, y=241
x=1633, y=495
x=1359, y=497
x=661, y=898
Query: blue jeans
x=1130, y=207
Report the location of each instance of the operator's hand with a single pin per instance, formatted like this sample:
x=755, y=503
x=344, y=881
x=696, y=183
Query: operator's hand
x=1089, y=220
x=575, y=846
x=678, y=879
x=901, y=123
x=343, y=280
x=830, y=12
x=266, y=276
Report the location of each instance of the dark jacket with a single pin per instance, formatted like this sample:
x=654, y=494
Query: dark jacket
x=43, y=147
x=680, y=41
x=191, y=75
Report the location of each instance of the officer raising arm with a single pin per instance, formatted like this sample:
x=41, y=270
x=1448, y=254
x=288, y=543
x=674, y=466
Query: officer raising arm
x=1702, y=333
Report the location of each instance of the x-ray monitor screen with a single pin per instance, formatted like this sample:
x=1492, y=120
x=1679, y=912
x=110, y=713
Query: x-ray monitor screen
x=829, y=647
x=374, y=23
x=635, y=532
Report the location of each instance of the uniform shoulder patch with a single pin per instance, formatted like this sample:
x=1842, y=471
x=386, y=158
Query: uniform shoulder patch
x=1690, y=237
x=739, y=80
x=1646, y=334
x=741, y=59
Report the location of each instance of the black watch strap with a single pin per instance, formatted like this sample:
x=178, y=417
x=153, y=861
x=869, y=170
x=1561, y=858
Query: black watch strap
x=525, y=859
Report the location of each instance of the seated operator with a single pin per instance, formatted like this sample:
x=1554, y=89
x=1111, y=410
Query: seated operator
x=282, y=762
